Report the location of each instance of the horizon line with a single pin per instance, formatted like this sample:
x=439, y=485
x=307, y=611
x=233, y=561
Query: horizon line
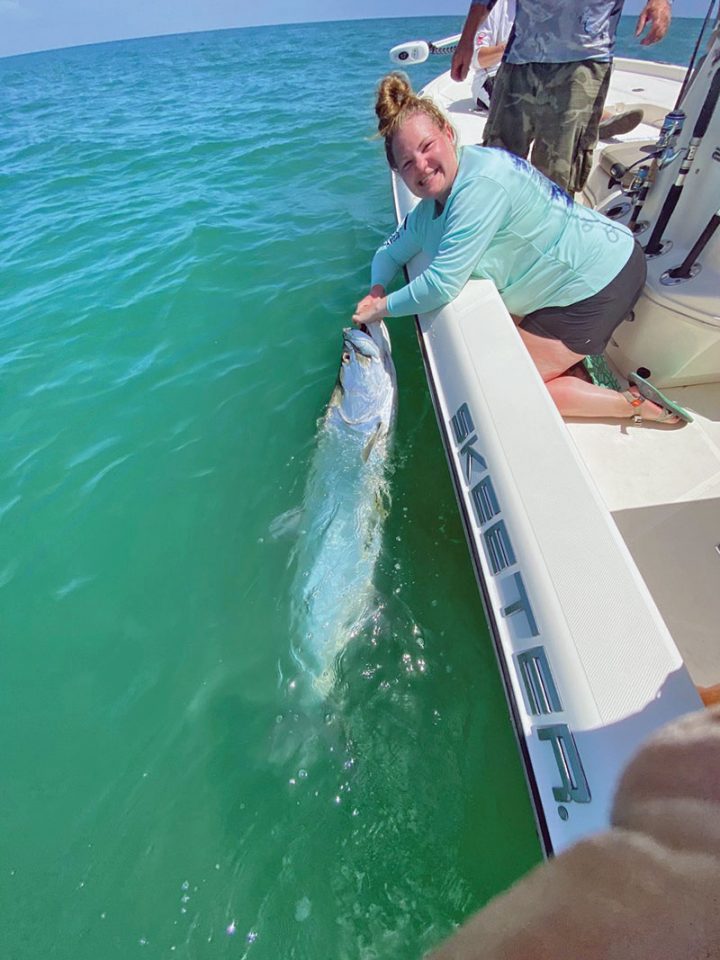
x=254, y=26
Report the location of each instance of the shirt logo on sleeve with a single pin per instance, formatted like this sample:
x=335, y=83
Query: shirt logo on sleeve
x=394, y=236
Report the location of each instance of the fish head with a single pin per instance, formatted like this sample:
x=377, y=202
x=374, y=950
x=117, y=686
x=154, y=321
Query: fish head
x=365, y=396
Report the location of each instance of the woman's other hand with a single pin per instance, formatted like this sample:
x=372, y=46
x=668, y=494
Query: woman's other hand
x=372, y=307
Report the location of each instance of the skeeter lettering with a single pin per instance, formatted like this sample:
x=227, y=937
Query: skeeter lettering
x=532, y=665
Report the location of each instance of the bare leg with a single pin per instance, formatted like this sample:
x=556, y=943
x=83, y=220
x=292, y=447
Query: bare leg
x=575, y=397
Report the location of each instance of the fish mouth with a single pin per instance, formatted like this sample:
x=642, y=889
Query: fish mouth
x=360, y=340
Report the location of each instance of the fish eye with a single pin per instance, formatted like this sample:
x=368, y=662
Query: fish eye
x=346, y=356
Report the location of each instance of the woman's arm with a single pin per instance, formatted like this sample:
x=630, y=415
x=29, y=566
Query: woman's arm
x=400, y=246
x=479, y=209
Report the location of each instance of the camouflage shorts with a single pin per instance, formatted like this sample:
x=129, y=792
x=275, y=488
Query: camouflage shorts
x=556, y=108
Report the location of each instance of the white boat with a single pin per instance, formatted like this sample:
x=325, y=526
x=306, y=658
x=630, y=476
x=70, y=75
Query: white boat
x=596, y=544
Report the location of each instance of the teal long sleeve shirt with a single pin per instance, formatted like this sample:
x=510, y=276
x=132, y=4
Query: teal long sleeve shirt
x=504, y=222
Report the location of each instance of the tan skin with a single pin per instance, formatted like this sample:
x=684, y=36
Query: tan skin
x=426, y=159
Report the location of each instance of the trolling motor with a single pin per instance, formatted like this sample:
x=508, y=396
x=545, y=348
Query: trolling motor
x=417, y=51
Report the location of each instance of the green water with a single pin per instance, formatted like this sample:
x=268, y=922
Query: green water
x=186, y=229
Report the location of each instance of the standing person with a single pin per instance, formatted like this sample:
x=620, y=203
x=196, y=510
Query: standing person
x=566, y=272
x=490, y=42
x=551, y=87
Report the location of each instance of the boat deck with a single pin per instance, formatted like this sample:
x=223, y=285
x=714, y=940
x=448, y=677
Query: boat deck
x=662, y=487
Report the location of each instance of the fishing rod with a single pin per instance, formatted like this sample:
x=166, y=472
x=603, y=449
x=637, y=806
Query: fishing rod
x=688, y=72
x=640, y=187
x=654, y=244
x=687, y=269
x=417, y=51
x=641, y=181
x=665, y=151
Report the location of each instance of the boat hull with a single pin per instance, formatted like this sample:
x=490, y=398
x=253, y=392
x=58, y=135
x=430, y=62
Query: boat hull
x=589, y=666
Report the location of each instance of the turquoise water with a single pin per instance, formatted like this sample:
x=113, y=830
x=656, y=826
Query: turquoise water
x=187, y=223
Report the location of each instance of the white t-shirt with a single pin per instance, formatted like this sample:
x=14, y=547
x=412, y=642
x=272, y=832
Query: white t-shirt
x=498, y=25
x=495, y=30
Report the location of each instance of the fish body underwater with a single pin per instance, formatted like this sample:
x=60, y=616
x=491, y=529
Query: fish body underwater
x=345, y=502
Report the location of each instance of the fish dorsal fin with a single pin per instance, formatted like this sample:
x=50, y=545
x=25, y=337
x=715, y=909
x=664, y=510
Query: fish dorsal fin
x=368, y=448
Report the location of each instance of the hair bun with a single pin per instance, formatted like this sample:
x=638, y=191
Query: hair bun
x=394, y=94
x=396, y=102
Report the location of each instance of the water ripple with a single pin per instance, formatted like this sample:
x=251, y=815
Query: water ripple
x=89, y=452
x=142, y=365
x=187, y=224
x=71, y=586
x=92, y=483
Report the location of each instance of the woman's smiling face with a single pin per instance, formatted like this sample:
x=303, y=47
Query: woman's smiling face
x=425, y=157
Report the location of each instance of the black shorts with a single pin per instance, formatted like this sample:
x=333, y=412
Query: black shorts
x=586, y=326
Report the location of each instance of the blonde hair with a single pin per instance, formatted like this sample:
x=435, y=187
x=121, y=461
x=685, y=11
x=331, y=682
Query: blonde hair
x=396, y=102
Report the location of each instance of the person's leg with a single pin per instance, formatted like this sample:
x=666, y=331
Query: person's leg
x=509, y=124
x=568, y=110
x=573, y=396
x=559, y=338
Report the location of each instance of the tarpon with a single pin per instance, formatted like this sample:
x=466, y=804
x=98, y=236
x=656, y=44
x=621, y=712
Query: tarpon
x=344, y=504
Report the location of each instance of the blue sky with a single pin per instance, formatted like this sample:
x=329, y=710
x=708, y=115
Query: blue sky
x=27, y=25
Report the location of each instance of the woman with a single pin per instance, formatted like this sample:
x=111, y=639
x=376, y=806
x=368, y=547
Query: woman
x=566, y=273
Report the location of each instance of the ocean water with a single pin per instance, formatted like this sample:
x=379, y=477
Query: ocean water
x=187, y=223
